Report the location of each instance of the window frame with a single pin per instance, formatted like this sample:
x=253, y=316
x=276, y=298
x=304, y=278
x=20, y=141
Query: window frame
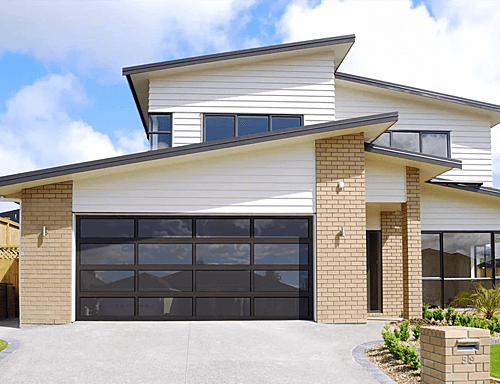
x=152, y=134
x=237, y=115
x=447, y=133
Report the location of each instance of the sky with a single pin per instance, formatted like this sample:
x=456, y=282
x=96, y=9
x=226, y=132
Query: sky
x=63, y=98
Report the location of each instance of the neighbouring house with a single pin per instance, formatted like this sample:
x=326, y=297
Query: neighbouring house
x=12, y=215
x=276, y=187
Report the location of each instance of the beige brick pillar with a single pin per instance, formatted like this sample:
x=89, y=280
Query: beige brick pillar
x=341, y=260
x=392, y=263
x=45, y=262
x=412, y=255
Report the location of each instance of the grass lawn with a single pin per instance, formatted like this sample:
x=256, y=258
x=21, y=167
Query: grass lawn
x=495, y=360
x=3, y=345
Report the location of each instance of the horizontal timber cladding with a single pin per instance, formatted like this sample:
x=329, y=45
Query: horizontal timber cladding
x=194, y=268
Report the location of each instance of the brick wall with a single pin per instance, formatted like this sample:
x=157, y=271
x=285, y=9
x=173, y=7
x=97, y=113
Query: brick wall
x=412, y=249
x=392, y=263
x=341, y=261
x=46, y=261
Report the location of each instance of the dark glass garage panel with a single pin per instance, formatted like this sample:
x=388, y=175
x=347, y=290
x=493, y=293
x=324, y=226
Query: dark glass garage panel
x=165, y=228
x=166, y=281
x=248, y=125
x=431, y=292
x=219, y=127
x=222, y=254
x=287, y=307
x=435, y=144
x=281, y=227
x=222, y=227
x=166, y=306
x=453, y=287
x=467, y=255
x=107, y=307
x=281, y=281
x=431, y=255
x=384, y=139
x=223, y=281
x=107, y=254
x=278, y=123
x=112, y=228
x=222, y=307
x=279, y=254
x=406, y=140
x=163, y=254
x=115, y=281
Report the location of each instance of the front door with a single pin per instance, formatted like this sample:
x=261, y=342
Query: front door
x=374, y=266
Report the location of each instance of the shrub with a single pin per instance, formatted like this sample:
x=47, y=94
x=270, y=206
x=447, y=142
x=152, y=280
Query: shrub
x=406, y=353
x=404, y=331
x=485, y=301
x=438, y=314
x=427, y=314
x=416, y=332
x=411, y=357
x=451, y=316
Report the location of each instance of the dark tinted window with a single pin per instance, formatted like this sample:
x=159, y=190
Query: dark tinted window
x=281, y=227
x=435, y=144
x=467, y=254
x=107, y=228
x=221, y=306
x=431, y=255
x=225, y=281
x=281, y=254
x=222, y=227
x=119, y=281
x=431, y=292
x=248, y=125
x=164, y=140
x=222, y=254
x=284, y=122
x=289, y=307
x=174, y=254
x=409, y=141
x=157, y=228
x=384, y=139
x=173, y=281
x=107, y=306
x=219, y=127
x=107, y=254
x=453, y=287
x=281, y=281
x=165, y=306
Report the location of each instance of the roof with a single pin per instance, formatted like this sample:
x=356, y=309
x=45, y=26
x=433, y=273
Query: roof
x=372, y=125
x=138, y=76
x=422, y=92
x=9, y=253
x=469, y=187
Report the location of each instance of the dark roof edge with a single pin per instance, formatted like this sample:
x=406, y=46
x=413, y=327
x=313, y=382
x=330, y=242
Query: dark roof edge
x=469, y=188
x=415, y=156
x=417, y=91
x=238, y=54
x=64, y=170
x=137, y=104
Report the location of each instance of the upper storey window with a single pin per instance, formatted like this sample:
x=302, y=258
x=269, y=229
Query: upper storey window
x=227, y=126
x=160, y=131
x=432, y=143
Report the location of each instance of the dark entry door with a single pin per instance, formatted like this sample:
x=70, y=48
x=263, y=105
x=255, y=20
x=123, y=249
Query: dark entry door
x=374, y=266
x=175, y=268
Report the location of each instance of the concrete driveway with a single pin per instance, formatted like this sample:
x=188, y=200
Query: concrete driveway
x=187, y=352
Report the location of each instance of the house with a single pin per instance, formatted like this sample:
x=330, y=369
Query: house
x=276, y=187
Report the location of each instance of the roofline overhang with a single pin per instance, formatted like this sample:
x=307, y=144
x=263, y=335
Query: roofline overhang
x=468, y=187
x=315, y=129
x=419, y=92
x=413, y=156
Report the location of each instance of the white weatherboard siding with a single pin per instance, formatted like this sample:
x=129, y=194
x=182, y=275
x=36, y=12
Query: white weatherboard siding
x=276, y=181
x=385, y=182
x=300, y=85
x=470, y=135
x=447, y=209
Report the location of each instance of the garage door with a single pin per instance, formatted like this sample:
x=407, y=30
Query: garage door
x=196, y=268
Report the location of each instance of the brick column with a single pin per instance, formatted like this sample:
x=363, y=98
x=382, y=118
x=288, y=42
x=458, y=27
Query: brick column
x=392, y=263
x=341, y=260
x=46, y=261
x=412, y=250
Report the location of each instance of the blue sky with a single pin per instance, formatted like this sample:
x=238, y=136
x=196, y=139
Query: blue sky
x=63, y=99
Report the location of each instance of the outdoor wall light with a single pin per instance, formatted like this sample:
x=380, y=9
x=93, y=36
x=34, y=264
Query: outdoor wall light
x=342, y=231
x=341, y=185
x=44, y=231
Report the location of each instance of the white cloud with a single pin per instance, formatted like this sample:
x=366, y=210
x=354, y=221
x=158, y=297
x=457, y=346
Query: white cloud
x=37, y=131
x=113, y=34
x=454, y=51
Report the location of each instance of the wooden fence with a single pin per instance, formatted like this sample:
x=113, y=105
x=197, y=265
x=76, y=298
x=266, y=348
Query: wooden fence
x=9, y=272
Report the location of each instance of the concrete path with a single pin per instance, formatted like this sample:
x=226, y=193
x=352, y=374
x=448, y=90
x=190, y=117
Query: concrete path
x=187, y=352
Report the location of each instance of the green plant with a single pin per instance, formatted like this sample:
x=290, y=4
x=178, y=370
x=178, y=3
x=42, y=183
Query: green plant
x=411, y=357
x=451, y=316
x=404, y=331
x=406, y=353
x=3, y=345
x=427, y=314
x=485, y=302
x=416, y=332
x=438, y=314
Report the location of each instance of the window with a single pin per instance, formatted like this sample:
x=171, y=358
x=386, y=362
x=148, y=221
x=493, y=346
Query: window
x=160, y=131
x=432, y=143
x=219, y=127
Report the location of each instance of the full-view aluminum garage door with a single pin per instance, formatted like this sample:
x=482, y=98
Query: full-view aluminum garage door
x=196, y=268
